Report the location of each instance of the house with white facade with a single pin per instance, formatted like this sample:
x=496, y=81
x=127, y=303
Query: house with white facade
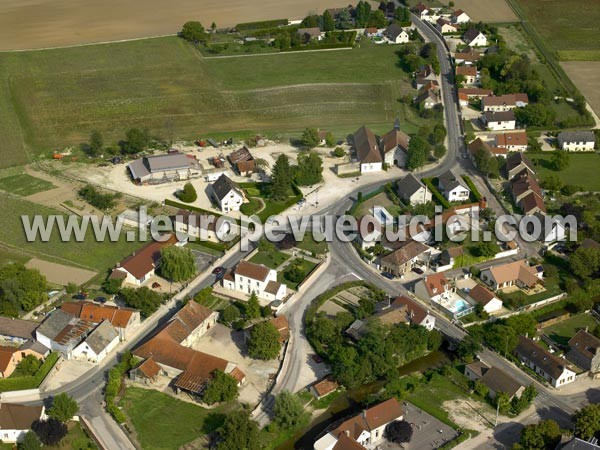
x=513, y=142
x=395, y=34
x=515, y=273
x=413, y=190
x=367, y=150
x=248, y=277
x=475, y=38
x=469, y=73
x=552, y=231
x=98, y=344
x=497, y=121
x=445, y=26
x=204, y=227
x=453, y=187
x=554, y=369
x=421, y=10
x=459, y=16
x=495, y=379
x=364, y=430
x=228, y=195
x=486, y=298
x=61, y=332
x=506, y=102
x=16, y=421
x=394, y=146
x=577, y=141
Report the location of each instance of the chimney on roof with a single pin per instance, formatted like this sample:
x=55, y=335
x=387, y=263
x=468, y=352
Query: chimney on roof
x=586, y=329
x=364, y=414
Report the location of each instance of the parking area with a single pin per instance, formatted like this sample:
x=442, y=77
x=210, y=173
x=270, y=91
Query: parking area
x=203, y=260
x=428, y=432
x=228, y=344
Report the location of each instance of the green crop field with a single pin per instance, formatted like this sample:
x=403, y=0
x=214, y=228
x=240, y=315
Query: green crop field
x=583, y=169
x=24, y=184
x=91, y=254
x=566, y=25
x=54, y=98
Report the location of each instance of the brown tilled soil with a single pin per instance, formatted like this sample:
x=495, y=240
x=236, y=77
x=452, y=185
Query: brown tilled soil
x=586, y=76
x=59, y=273
x=28, y=24
x=486, y=10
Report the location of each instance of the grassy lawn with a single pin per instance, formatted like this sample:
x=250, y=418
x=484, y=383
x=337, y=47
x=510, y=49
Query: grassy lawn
x=54, y=98
x=76, y=439
x=90, y=253
x=162, y=422
x=309, y=244
x=554, y=19
x=305, y=266
x=382, y=200
x=24, y=184
x=8, y=256
x=565, y=330
x=583, y=169
x=270, y=259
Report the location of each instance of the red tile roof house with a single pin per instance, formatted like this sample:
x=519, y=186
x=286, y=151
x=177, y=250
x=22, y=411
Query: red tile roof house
x=169, y=349
x=516, y=141
x=516, y=273
x=470, y=74
x=124, y=320
x=505, y=102
x=248, y=277
x=141, y=265
x=486, y=298
x=363, y=430
x=323, y=388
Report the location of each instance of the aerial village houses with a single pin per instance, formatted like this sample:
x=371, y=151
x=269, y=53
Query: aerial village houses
x=362, y=430
x=10, y=357
x=459, y=16
x=170, y=350
x=423, y=76
x=527, y=194
x=17, y=420
x=172, y=166
x=62, y=332
x=402, y=260
x=486, y=298
x=467, y=57
x=414, y=314
x=544, y=363
x=506, y=102
x=497, y=121
x=248, y=277
x=323, y=388
x=124, y=320
x=227, y=194
x=516, y=141
x=201, y=226
x=142, y=264
x=98, y=344
x=242, y=161
x=576, y=141
x=495, y=379
x=475, y=38
x=584, y=351
x=394, y=145
x=516, y=163
x=445, y=26
x=367, y=150
x=421, y=10
x=478, y=145
x=17, y=331
x=395, y=34
x=413, y=191
x=516, y=273
x=428, y=96
x=469, y=73
x=454, y=188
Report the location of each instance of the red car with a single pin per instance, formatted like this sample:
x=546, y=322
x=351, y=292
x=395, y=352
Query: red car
x=218, y=271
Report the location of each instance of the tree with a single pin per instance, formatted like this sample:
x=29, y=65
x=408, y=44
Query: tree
x=221, y=388
x=535, y=115
x=439, y=151
x=468, y=348
x=252, y=309
x=193, y=31
x=344, y=21
x=377, y=19
x=585, y=261
x=29, y=365
x=311, y=21
x=310, y=138
x=363, y=13
x=480, y=389
x=266, y=246
x=328, y=22
x=144, y=299
x=50, y=432
x=486, y=248
x=96, y=143
x=281, y=178
x=434, y=340
x=542, y=436
x=587, y=421
x=288, y=411
x=30, y=442
x=418, y=153
x=264, y=341
x=399, y=431
x=560, y=161
x=187, y=194
x=502, y=401
x=112, y=286
x=293, y=272
x=21, y=289
x=97, y=199
x=239, y=431
x=230, y=315
x=310, y=169
x=177, y=263
x=63, y=408
x=329, y=139
x=136, y=141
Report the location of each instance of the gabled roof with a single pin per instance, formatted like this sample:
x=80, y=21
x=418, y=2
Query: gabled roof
x=409, y=185
x=240, y=155
x=576, y=136
x=519, y=99
x=468, y=56
x=101, y=337
x=466, y=70
x=578, y=444
x=585, y=343
x=393, y=31
x=499, y=116
x=23, y=329
x=6, y=355
x=394, y=138
x=542, y=358
x=514, y=160
x=63, y=328
x=471, y=34
x=187, y=319
x=283, y=327
x=19, y=417
x=450, y=181
x=224, y=185
x=406, y=253
x=366, y=147
x=248, y=269
x=312, y=32
x=435, y=284
x=478, y=144
x=481, y=294
x=415, y=313
x=325, y=386
x=141, y=262
x=475, y=92
x=91, y=312
x=478, y=368
x=148, y=368
x=197, y=220
x=515, y=138
x=369, y=419
x=499, y=381
x=531, y=201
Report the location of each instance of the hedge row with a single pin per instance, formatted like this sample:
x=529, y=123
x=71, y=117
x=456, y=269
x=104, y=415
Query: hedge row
x=29, y=381
x=170, y=202
x=322, y=298
x=436, y=193
x=474, y=191
x=261, y=24
x=363, y=198
x=113, y=386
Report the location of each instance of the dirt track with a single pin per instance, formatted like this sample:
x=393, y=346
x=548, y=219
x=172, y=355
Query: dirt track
x=28, y=24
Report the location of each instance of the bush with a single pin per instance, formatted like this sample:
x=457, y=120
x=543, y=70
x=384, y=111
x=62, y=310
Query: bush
x=98, y=200
x=187, y=194
x=474, y=191
x=252, y=207
x=339, y=152
x=261, y=24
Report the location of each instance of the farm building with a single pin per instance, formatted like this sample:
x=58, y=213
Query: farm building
x=164, y=168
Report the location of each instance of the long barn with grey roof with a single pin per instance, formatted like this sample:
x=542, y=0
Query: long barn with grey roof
x=164, y=168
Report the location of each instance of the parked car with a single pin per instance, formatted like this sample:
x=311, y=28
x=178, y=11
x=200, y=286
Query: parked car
x=387, y=275
x=100, y=299
x=317, y=359
x=417, y=270
x=79, y=297
x=218, y=272
x=155, y=285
